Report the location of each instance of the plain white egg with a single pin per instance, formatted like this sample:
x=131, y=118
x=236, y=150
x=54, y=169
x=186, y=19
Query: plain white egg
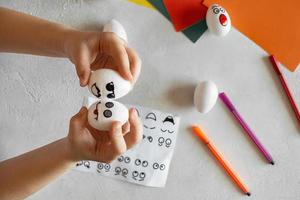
x=106, y=84
x=116, y=27
x=218, y=20
x=102, y=114
x=205, y=96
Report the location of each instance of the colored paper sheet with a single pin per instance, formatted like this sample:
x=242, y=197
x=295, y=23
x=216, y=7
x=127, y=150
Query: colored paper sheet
x=142, y=3
x=185, y=13
x=193, y=32
x=272, y=24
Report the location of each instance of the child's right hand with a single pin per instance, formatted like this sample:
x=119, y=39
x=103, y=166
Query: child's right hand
x=86, y=143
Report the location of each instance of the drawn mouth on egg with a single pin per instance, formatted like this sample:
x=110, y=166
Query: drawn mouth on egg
x=223, y=20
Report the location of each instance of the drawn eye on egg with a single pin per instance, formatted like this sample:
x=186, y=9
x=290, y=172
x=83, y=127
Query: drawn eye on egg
x=108, y=84
x=106, y=113
x=218, y=20
x=151, y=120
x=110, y=87
x=102, y=114
x=216, y=10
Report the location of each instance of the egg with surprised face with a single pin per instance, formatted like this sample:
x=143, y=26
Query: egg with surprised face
x=218, y=20
x=107, y=84
x=102, y=114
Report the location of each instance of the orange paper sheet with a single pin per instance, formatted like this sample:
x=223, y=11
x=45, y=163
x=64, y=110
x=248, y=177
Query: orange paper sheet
x=272, y=24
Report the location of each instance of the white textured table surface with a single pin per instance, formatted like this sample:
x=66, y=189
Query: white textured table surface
x=40, y=94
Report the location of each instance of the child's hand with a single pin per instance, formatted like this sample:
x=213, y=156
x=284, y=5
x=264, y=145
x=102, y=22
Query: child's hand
x=95, y=50
x=87, y=143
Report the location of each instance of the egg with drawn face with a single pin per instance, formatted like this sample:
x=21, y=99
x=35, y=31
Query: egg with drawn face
x=107, y=84
x=218, y=20
x=102, y=114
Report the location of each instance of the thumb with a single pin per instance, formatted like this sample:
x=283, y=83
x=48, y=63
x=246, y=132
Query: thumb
x=80, y=118
x=83, y=71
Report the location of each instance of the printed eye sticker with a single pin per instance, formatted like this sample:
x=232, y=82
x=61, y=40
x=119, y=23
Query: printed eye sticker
x=85, y=163
x=152, y=118
x=103, y=166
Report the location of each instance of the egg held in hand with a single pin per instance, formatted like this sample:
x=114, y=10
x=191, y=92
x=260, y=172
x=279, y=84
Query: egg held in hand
x=102, y=114
x=107, y=84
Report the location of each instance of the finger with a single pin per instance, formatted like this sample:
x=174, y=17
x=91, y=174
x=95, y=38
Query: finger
x=83, y=72
x=83, y=68
x=120, y=57
x=135, y=63
x=99, y=135
x=118, y=145
x=136, y=131
x=126, y=128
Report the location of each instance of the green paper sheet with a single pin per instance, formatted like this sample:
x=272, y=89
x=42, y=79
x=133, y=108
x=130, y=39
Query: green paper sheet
x=193, y=32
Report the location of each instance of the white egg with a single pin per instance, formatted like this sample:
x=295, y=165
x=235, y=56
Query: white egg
x=218, y=20
x=107, y=84
x=102, y=114
x=116, y=27
x=205, y=96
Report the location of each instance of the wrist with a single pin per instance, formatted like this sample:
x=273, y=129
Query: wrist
x=68, y=152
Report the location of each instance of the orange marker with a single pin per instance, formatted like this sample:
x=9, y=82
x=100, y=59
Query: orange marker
x=218, y=156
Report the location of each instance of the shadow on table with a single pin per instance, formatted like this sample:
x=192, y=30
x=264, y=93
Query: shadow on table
x=182, y=95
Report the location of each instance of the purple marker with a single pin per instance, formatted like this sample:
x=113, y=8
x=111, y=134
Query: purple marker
x=245, y=126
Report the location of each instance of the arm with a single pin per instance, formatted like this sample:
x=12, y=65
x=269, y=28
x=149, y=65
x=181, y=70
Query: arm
x=27, y=173
x=22, y=33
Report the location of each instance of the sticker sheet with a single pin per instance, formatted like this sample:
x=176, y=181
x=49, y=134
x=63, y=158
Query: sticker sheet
x=148, y=163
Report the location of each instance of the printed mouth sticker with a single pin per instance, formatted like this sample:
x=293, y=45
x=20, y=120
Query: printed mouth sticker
x=148, y=163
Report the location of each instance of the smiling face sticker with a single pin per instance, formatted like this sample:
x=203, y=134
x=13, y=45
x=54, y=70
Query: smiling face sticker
x=150, y=121
x=218, y=20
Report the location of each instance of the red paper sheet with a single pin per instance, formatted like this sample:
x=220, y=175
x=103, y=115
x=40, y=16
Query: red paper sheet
x=272, y=24
x=185, y=13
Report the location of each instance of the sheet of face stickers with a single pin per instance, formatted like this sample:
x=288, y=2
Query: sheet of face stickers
x=148, y=163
